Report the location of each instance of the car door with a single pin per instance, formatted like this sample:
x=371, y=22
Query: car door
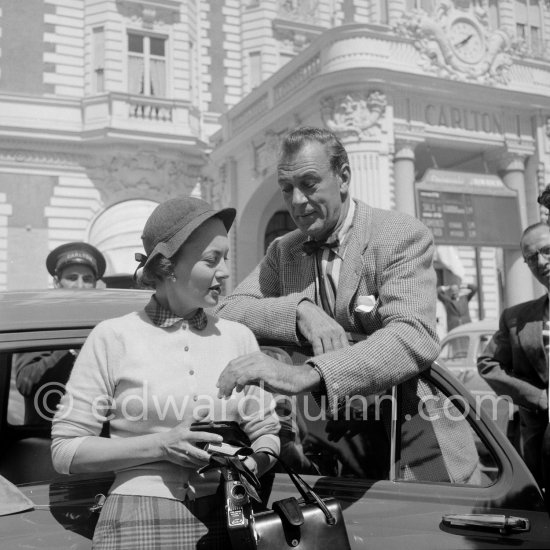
x=61, y=515
x=407, y=474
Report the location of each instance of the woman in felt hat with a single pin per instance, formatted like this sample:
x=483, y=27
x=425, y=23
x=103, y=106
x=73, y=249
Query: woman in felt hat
x=150, y=373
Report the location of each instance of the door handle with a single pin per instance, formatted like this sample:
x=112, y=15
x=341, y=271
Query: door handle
x=502, y=523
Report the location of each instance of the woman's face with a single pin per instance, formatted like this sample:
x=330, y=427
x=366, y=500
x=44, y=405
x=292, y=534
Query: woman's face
x=200, y=269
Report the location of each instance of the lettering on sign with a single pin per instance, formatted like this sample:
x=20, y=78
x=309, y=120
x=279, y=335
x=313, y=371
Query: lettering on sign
x=465, y=218
x=463, y=119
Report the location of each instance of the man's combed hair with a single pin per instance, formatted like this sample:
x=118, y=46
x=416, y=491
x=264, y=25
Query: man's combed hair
x=532, y=228
x=297, y=138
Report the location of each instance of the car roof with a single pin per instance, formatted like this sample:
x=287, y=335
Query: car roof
x=27, y=310
x=487, y=325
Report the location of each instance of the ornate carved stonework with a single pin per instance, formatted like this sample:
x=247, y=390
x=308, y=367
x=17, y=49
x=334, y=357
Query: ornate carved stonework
x=150, y=13
x=266, y=153
x=214, y=192
x=359, y=113
x=40, y=158
x=291, y=40
x=458, y=44
x=299, y=10
x=146, y=174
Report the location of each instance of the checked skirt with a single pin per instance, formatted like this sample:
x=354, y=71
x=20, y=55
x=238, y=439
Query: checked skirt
x=148, y=523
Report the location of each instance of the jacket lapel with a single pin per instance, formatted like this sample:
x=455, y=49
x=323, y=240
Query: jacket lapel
x=352, y=266
x=303, y=265
x=530, y=336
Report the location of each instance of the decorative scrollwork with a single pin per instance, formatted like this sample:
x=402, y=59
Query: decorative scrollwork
x=431, y=36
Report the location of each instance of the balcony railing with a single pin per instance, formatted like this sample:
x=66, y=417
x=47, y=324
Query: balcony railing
x=111, y=113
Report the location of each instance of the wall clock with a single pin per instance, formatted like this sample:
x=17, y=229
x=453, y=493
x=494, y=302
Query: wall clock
x=466, y=40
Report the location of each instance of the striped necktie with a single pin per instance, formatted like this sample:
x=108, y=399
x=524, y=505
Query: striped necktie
x=327, y=290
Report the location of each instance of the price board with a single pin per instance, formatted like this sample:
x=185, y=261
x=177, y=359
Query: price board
x=468, y=209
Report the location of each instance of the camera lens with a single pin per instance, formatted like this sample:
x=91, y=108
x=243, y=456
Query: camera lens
x=238, y=492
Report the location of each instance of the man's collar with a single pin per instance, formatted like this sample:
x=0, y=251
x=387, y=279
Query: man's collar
x=340, y=237
x=164, y=318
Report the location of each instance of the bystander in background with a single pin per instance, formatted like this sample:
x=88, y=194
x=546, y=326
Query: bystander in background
x=75, y=265
x=456, y=300
x=515, y=362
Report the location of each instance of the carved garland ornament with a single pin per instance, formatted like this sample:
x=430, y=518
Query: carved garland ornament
x=120, y=177
x=357, y=114
x=458, y=43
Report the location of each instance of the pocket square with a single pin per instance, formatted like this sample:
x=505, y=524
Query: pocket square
x=365, y=304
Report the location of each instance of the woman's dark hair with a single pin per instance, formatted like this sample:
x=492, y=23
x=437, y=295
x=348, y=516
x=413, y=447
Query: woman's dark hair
x=544, y=197
x=158, y=269
x=296, y=139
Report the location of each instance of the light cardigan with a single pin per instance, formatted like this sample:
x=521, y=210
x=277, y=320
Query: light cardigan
x=146, y=379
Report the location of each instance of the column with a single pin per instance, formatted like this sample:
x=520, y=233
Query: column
x=519, y=280
x=370, y=178
x=404, y=177
x=396, y=9
x=5, y=213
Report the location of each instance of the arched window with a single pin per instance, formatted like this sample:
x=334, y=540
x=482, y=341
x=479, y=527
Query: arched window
x=280, y=224
x=117, y=233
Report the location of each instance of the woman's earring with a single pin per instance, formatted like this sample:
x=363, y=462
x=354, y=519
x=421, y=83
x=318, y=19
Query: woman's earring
x=173, y=278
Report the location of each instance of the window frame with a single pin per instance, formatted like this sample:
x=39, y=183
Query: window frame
x=147, y=56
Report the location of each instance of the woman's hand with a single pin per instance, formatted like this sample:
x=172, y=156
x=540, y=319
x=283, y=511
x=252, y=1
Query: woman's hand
x=179, y=445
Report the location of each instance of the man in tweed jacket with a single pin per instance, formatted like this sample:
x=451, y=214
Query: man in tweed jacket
x=386, y=288
x=386, y=291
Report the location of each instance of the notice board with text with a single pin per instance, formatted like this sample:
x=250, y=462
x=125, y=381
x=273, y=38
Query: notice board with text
x=468, y=209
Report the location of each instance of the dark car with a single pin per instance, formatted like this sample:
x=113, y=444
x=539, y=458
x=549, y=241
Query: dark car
x=395, y=477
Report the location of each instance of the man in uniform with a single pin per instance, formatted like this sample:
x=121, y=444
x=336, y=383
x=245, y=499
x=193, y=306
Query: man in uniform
x=75, y=265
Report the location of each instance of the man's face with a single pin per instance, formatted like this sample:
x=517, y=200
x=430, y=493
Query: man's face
x=78, y=276
x=455, y=291
x=535, y=248
x=314, y=195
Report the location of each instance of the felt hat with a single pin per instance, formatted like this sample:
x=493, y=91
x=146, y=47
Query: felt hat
x=172, y=222
x=76, y=253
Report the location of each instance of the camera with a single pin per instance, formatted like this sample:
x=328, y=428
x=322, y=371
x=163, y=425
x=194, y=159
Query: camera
x=238, y=512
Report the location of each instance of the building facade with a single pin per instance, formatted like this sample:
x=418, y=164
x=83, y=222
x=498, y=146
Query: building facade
x=444, y=108
x=108, y=107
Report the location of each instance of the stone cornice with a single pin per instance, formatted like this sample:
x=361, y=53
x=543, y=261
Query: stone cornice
x=337, y=56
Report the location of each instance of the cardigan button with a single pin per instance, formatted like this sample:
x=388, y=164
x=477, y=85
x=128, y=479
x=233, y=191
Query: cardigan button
x=186, y=348
x=191, y=372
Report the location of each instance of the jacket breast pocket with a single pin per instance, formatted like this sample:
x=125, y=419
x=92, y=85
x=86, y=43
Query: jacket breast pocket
x=365, y=310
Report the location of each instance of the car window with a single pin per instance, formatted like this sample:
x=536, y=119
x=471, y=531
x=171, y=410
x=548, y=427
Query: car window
x=484, y=339
x=455, y=350
x=432, y=442
x=436, y=439
x=37, y=382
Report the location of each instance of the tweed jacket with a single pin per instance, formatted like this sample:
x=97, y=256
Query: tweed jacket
x=514, y=362
x=389, y=257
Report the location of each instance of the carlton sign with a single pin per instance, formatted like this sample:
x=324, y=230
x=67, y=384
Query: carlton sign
x=463, y=118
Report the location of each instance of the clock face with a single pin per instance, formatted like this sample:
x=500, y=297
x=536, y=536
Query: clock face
x=466, y=41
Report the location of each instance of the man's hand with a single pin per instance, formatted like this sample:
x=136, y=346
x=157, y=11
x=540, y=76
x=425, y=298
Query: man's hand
x=259, y=369
x=319, y=329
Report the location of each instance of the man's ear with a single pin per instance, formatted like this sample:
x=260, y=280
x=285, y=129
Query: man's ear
x=345, y=179
x=56, y=282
